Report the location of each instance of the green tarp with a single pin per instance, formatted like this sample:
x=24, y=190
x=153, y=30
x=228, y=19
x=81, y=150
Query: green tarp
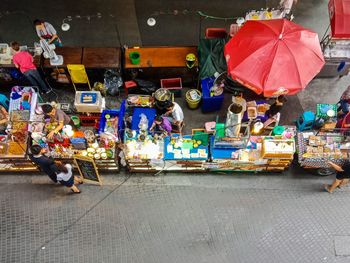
x=211, y=57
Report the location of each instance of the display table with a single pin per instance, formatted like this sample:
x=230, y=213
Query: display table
x=161, y=62
x=71, y=55
x=262, y=153
x=316, y=148
x=101, y=57
x=159, y=57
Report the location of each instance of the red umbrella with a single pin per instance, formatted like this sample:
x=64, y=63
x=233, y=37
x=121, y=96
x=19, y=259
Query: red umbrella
x=274, y=57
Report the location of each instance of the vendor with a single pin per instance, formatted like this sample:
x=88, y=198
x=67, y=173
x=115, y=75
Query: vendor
x=175, y=115
x=4, y=118
x=276, y=107
x=46, y=31
x=161, y=125
x=58, y=116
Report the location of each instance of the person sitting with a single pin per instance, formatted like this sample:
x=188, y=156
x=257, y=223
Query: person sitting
x=58, y=116
x=47, y=32
x=344, y=103
x=276, y=107
x=65, y=177
x=343, y=122
x=176, y=116
x=161, y=125
x=4, y=119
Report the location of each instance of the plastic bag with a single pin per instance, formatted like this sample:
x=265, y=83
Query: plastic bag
x=143, y=124
x=146, y=87
x=112, y=82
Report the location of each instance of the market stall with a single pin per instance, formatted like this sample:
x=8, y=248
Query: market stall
x=315, y=148
x=29, y=125
x=252, y=153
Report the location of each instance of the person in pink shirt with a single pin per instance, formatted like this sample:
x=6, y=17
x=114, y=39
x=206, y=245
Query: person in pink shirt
x=23, y=60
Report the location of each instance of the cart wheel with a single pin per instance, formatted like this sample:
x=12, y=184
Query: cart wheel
x=325, y=171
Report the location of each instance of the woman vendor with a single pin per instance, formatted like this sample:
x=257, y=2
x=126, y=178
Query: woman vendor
x=46, y=31
x=4, y=118
x=161, y=126
x=58, y=116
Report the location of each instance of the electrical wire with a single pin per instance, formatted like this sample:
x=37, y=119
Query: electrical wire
x=215, y=17
x=79, y=218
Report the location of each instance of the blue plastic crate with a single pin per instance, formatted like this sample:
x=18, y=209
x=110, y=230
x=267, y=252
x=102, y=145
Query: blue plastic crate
x=210, y=104
x=150, y=114
x=112, y=113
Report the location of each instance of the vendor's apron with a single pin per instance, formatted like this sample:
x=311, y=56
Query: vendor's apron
x=57, y=42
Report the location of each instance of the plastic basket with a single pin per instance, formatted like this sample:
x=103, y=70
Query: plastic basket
x=322, y=109
x=112, y=114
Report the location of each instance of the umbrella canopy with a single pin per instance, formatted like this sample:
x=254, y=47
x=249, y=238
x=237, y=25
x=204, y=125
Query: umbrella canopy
x=274, y=57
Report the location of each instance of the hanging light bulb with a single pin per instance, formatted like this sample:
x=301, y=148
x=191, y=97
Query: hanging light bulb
x=151, y=21
x=65, y=27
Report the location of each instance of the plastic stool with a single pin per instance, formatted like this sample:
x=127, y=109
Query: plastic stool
x=306, y=121
x=128, y=85
x=4, y=101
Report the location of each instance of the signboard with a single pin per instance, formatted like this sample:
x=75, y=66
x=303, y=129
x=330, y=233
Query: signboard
x=87, y=168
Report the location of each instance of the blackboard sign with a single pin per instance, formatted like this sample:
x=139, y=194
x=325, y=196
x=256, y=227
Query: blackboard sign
x=87, y=168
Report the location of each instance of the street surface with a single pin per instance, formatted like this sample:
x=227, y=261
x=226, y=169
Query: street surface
x=175, y=218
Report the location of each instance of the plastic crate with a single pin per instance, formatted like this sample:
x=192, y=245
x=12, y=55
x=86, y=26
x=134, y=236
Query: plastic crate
x=113, y=114
x=89, y=120
x=78, y=143
x=213, y=103
x=322, y=109
x=95, y=105
x=150, y=114
x=174, y=85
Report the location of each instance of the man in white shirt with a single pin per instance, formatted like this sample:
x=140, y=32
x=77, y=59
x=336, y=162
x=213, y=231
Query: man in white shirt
x=175, y=115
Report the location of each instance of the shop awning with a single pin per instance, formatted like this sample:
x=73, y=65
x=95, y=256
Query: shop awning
x=339, y=14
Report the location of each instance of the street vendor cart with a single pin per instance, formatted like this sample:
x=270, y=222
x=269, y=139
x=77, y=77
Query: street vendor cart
x=316, y=148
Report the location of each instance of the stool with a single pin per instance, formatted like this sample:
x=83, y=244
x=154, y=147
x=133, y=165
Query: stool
x=306, y=121
x=128, y=85
x=176, y=129
x=4, y=101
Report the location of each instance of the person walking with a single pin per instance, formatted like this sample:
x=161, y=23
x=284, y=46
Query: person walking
x=47, y=32
x=286, y=8
x=342, y=176
x=46, y=164
x=66, y=177
x=23, y=60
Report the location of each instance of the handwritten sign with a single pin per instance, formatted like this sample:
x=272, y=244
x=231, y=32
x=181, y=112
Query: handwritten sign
x=87, y=168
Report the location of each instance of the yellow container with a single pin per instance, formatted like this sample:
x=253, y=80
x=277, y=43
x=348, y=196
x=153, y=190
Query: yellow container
x=193, y=98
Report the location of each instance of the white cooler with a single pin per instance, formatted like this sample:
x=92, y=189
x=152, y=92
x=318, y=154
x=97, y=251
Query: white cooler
x=89, y=101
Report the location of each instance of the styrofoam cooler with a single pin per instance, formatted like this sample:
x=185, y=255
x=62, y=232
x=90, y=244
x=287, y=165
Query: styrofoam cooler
x=96, y=104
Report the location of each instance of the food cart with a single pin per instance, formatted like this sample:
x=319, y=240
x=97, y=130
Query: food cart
x=315, y=148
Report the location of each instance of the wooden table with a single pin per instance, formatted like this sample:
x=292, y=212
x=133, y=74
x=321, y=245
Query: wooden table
x=160, y=57
x=101, y=57
x=11, y=65
x=71, y=55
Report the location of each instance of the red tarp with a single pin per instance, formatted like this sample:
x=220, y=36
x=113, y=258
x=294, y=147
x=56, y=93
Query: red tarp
x=274, y=57
x=339, y=14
